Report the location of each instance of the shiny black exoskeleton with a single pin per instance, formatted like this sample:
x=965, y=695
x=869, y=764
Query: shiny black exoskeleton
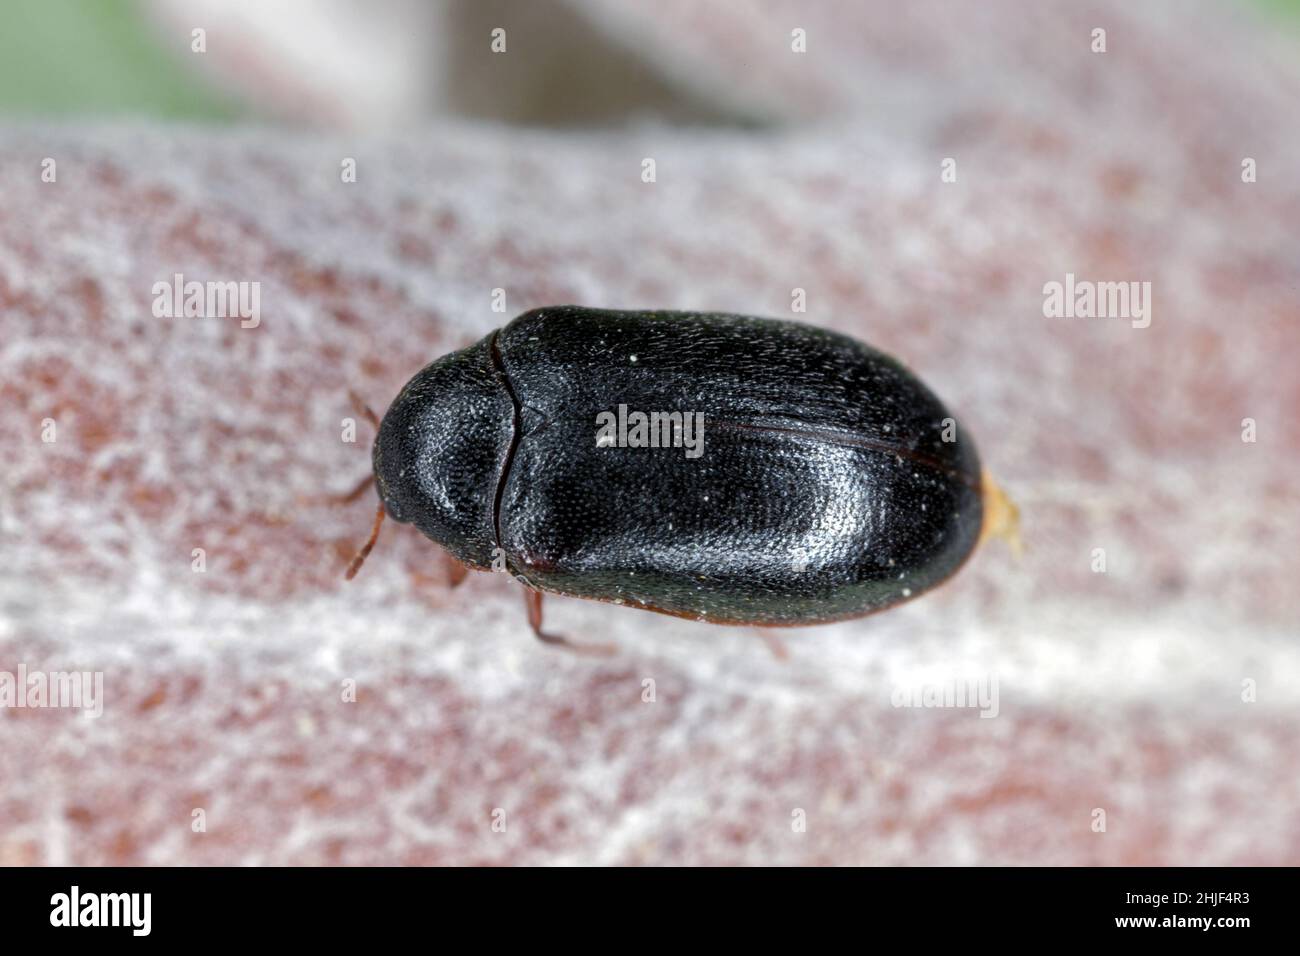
x=830, y=481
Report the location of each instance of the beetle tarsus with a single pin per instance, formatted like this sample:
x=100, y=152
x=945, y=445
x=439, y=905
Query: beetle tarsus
x=533, y=601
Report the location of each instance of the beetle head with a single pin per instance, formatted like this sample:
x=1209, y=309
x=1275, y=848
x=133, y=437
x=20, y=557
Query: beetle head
x=442, y=449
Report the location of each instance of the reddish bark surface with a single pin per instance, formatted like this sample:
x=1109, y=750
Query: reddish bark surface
x=224, y=690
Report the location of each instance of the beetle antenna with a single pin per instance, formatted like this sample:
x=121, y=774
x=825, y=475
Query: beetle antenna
x=355, y=493
x=368, y=413
x=346, y=498
x=360, y=559
x=363, y=409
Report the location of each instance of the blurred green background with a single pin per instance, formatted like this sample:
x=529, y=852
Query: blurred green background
x=66, y=58
x=96, y=57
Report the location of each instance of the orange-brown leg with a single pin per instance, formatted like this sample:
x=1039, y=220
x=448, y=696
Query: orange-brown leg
x=533, y=601
x=456, y=571
x=774, y=643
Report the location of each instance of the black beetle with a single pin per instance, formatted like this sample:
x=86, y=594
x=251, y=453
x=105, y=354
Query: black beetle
x=828, y=481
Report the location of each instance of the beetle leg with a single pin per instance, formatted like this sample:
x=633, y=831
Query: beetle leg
x=456, y=572
x=533, y=601
x=774, y=643
x=1001, y=516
